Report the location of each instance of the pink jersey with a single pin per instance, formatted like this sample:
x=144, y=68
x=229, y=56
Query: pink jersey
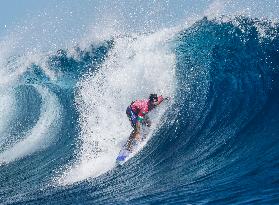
x=142, y=107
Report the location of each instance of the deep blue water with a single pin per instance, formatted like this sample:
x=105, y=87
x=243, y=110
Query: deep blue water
x=217, y=143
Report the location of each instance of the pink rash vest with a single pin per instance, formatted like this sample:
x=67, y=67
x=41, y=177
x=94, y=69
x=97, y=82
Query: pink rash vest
x=142, y=107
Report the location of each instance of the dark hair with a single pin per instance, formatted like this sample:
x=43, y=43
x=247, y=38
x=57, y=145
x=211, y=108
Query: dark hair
x=153, y=97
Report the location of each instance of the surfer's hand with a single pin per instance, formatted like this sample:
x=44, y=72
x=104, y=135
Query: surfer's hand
x=148, y=123
x=167, y=98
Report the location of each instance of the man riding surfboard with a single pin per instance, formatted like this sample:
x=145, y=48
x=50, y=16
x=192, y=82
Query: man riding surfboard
x=136, y=112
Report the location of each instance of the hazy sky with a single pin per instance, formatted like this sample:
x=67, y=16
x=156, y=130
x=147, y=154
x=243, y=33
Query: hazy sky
x=58, y=21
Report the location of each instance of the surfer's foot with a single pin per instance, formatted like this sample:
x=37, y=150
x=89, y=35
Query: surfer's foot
x=129, y=145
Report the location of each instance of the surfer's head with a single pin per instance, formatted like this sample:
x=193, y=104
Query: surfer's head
x=153, y=99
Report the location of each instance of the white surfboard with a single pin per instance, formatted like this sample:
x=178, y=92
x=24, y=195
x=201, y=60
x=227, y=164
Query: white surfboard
x=124, y=154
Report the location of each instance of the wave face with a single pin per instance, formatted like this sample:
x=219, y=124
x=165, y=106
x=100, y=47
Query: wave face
x=63, y=119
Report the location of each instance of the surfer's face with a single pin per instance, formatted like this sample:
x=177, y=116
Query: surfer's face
x=154, y=102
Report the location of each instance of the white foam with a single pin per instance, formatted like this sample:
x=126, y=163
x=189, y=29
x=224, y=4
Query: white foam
x=7, y=110
x=136, y=67
x=41, y=135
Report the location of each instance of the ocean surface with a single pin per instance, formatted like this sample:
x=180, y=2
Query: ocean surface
x=63, y=121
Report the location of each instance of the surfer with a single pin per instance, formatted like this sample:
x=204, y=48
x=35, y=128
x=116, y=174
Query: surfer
x=136, y=113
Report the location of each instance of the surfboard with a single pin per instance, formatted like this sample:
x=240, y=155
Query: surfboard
x=124, y=154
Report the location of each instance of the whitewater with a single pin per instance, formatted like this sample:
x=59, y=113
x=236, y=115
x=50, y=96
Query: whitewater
x=63, y=120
